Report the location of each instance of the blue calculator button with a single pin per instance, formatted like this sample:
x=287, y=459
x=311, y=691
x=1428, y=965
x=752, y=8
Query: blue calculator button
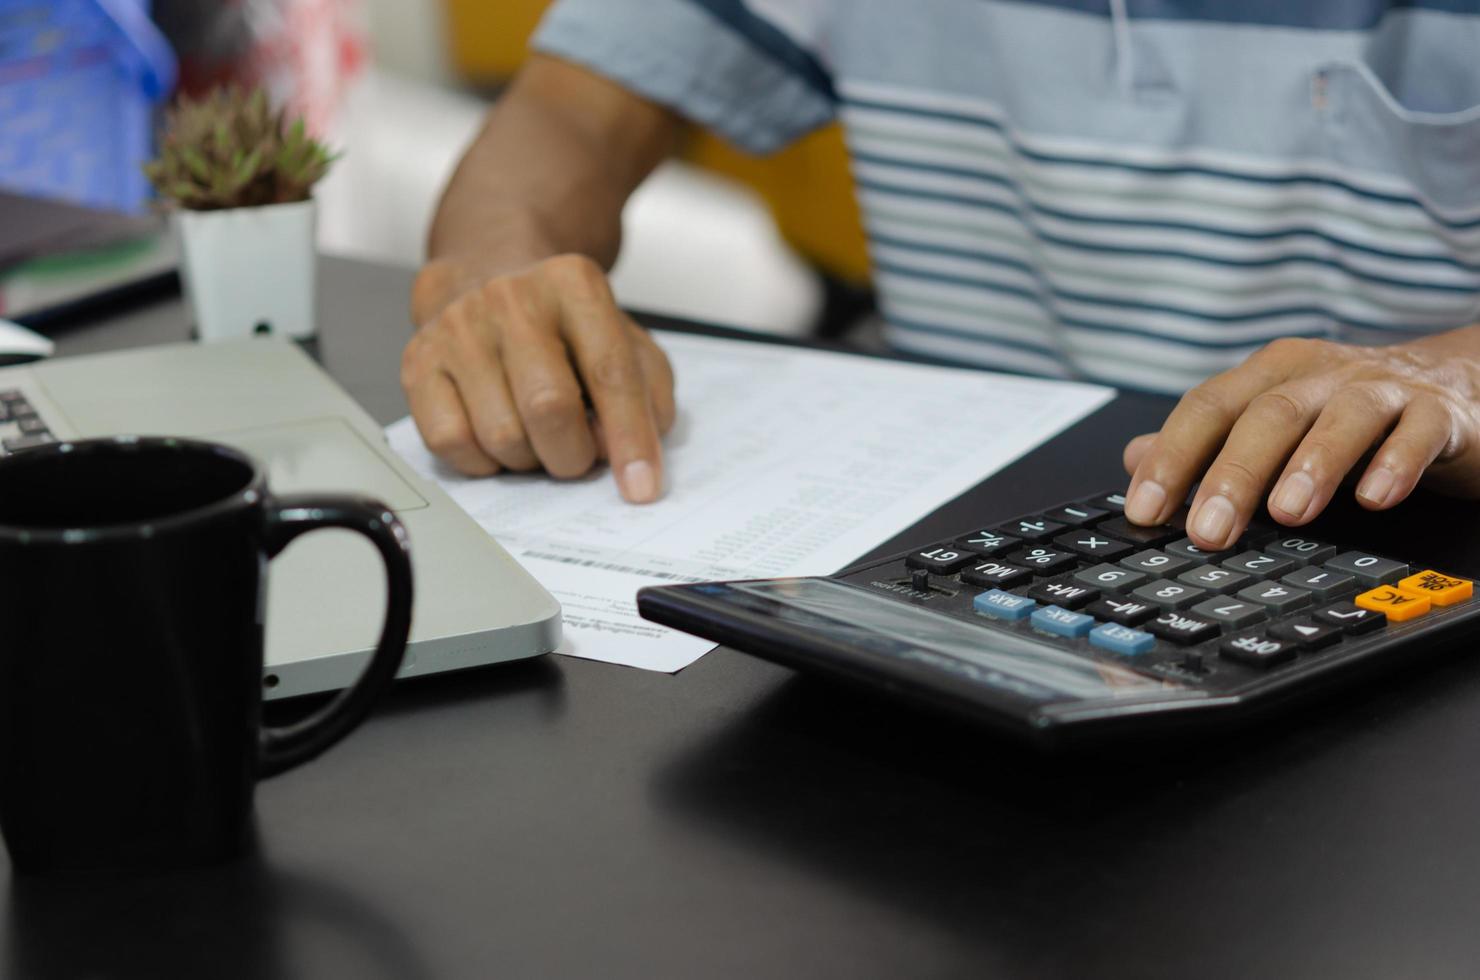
x=1121, y=639
x=1061, y=622
x=1003, y=605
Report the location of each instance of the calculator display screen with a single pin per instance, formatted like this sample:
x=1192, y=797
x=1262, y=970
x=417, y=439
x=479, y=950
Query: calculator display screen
x=1001, y=660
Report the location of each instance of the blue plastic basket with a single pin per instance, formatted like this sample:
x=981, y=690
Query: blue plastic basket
x=79, y=80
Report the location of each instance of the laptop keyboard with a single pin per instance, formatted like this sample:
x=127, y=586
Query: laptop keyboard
x=21, y=426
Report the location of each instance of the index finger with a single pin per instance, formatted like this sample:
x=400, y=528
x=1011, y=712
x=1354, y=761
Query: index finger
x=610, y=369
x=1192, y=435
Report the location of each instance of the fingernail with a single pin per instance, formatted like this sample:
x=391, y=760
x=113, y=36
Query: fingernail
x=1377, y=485
x=1295, y=496
x=639, y=482
x=1144, y=506
x=1214, y=519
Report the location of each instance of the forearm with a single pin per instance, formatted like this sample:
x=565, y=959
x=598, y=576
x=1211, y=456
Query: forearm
x=548, y=175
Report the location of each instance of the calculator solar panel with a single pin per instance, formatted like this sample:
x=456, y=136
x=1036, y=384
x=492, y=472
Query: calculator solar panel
x=1073, y=621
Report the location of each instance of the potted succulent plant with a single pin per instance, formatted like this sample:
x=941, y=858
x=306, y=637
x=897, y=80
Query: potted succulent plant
x=241, y=176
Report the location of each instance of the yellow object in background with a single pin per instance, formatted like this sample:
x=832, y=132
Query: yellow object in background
x=807, y=186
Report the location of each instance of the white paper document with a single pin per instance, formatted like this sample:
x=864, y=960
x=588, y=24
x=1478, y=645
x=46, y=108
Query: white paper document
x=783, y=461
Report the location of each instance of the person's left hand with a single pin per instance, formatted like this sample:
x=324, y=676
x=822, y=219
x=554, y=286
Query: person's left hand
x=1307, y=412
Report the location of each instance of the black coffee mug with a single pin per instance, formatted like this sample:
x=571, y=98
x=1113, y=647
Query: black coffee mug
x=132, y=594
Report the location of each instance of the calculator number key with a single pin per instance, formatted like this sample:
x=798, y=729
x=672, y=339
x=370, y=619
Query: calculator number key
x=1277, y=597
x=942, y=559
x=1324, y=582
x=1169, y=595
x=1092, y=544
x=1110, y=577
x=1155, y=563
x=1184, y=548
x=1303, y=551
x=1213, y=577
x=1259, y=565
x=1232, y=613
x=987, y=543
x=1043, y=560
x=1370, y=570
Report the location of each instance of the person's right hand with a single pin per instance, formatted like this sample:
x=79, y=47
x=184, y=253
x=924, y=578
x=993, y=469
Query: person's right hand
x=536, y=367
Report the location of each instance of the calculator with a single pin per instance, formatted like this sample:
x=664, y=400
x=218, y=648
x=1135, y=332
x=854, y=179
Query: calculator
x=1072, y=621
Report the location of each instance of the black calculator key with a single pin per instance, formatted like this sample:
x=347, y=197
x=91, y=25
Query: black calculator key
x=1215, y=578
x=1075, y=515
x=1307, y=633
x=1277, y=597
x=1155, y=563
x=1259, y=532
x=1301, y=550
x=33, y=426
x=1184, y=548
x=1324, y=582
x=1118, y=609
x=1044, y=560
x=1169, y=595
x=1110, y=577
x=1093, y=544
x=1369, y=569
x=987, y=543
x=1113, y=501
x=1258, y=564
x=942, y=559
x=1183, y=629
x=1257, y=650
x=1352, y=619
x=1064, y=592
x=1031, y=528
x=1146, y=537
x=1234, y=614
x=995, y=574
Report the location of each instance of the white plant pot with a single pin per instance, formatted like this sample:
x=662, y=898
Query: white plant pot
x=250, y=270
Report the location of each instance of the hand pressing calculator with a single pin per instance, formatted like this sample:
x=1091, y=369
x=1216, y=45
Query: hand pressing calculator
x=1073, y=621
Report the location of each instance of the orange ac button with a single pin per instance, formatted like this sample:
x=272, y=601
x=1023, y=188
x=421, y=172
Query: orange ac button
x=1440, y=589
x=1397, y=605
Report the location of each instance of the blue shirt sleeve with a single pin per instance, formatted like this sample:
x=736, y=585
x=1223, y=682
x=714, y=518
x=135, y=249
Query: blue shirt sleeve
x=716, y=62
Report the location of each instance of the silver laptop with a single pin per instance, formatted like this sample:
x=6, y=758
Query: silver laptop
x=474, y=604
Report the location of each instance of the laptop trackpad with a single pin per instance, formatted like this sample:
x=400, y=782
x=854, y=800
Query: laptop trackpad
x=322, y=455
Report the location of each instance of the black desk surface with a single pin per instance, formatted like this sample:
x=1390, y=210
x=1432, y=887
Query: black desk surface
x=562, y=818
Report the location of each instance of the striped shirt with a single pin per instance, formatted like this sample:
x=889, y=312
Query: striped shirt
x=1139, y=192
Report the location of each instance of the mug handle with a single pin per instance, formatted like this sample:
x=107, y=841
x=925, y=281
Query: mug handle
x=287, y=517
